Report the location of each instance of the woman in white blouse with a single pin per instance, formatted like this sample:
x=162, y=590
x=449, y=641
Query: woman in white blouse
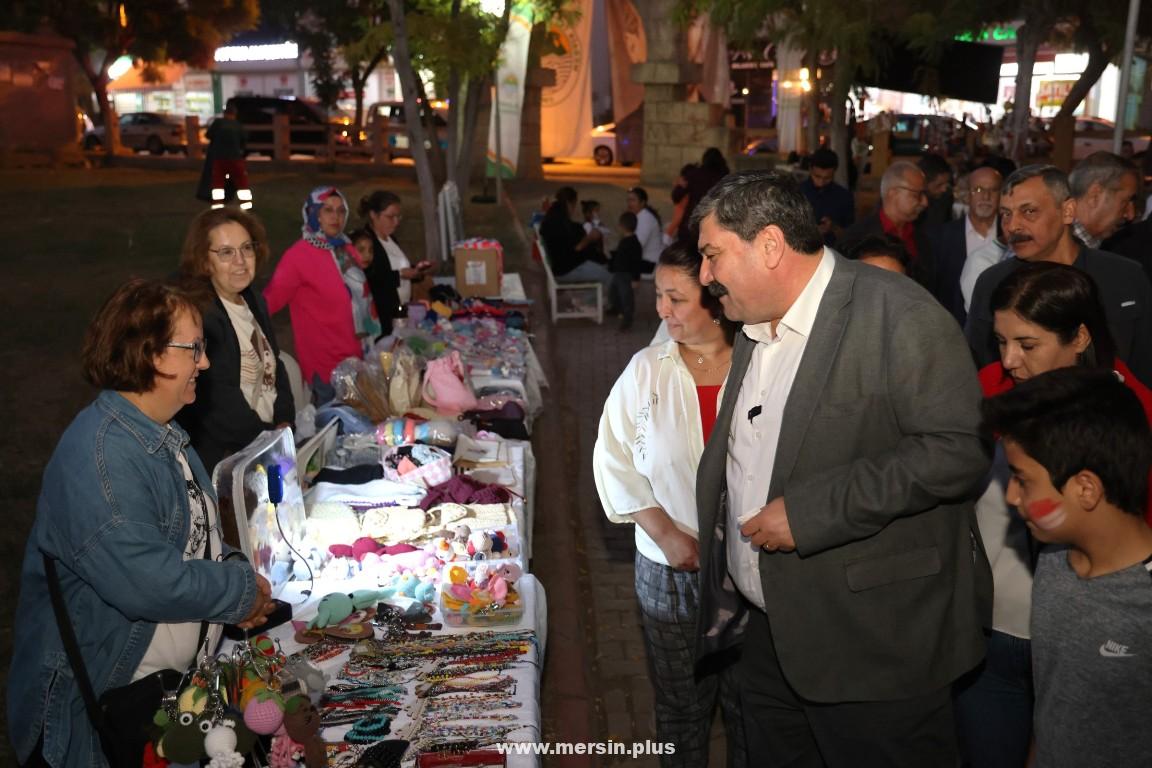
x=246, y=391
x=655, y=423
x=391, y=273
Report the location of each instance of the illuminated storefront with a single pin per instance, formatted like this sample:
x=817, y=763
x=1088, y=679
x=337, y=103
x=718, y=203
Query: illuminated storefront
x=277, y=69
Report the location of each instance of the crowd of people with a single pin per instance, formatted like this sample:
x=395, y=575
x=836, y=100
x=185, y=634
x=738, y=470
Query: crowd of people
x=577, y=252
x=897, y=519
x=891, y=507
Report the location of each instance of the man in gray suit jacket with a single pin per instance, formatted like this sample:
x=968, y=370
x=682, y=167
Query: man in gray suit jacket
x=837, y=538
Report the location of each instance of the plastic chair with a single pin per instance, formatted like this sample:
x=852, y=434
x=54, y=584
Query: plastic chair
x=295, y=381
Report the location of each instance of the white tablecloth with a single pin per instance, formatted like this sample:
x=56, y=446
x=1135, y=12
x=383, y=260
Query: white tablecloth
x=526, y=672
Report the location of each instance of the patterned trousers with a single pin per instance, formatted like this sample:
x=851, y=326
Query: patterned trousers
x=684, y=702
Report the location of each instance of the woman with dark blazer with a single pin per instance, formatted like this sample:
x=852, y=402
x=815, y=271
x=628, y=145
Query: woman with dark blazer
x=246, y=390
x=391, y=273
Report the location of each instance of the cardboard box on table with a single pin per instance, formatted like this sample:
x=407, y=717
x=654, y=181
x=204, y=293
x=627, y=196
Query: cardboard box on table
x=479, y=269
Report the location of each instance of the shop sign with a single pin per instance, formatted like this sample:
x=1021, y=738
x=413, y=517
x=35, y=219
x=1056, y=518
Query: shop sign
x=277, y=52
x=1052, y=93
x=996, y=34
x=198, y=82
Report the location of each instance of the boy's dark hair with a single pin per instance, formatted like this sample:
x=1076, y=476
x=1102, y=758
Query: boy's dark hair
x=1074, y=419
x=362, y=234
x=882, y=245
x=824, y=158
x=588, y=207
x=628, y=221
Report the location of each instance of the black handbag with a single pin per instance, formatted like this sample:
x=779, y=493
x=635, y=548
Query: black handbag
x=506, y=421
x=122, y=717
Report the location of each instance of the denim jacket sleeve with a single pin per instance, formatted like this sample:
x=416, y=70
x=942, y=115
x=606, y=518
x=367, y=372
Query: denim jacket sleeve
x=121, y=526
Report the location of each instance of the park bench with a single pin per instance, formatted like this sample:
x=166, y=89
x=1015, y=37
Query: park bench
x=565, y=298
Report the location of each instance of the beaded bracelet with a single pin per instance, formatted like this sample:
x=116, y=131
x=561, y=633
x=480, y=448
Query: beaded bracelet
x=369, y=730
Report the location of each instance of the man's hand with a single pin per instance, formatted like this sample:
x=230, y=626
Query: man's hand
x=824, y=225
x=769, y=528
x=682, y=550
x=262, y=607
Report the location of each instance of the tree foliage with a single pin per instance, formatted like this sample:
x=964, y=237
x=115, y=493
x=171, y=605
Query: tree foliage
x=155, y=31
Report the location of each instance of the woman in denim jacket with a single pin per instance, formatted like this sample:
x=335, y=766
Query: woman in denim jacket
x=127, y=512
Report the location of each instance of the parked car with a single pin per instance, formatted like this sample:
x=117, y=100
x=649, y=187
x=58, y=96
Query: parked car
x=1094, y=134
x=305, y=119
x=621, y=141
x=397, y=130
x=913, y=135
x=157, y=133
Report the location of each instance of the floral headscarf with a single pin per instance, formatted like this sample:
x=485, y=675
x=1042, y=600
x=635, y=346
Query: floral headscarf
x=311, y=213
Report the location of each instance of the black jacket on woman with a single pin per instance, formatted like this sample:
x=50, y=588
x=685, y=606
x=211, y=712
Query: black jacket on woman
x=220, y=421
x=384, y=282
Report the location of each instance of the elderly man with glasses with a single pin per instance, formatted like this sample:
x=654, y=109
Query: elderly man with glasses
x=903, y=197
x=966, y=246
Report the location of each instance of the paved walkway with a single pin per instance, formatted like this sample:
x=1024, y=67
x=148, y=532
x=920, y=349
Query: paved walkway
x=595, y=683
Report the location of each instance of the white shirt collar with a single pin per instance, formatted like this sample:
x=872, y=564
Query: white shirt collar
x=801, y=316
x=970, y=230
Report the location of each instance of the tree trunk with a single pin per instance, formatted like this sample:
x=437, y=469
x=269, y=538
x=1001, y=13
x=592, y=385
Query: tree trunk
x=472, y=99
x=431, y=135
x=358, y=83
x=455, y=134
x=1063, y=125
x=408, y=81
x=1097, y=63
x=838, y=137
x=812, y=102
x=359, y=78
x=1028, y=39
x=451, y=166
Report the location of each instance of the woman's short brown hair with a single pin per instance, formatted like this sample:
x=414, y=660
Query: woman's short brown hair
x=129, y=332
x=195, y=260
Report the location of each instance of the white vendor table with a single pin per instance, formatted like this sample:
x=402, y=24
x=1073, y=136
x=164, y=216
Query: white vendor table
x=526, y=671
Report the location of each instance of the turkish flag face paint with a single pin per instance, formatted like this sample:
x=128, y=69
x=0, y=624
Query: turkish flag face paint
x=1047, y=514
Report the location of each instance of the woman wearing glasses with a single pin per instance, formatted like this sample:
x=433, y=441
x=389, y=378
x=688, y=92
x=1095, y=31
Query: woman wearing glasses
x=127, y=530
x=246, y=391
x=391, y=273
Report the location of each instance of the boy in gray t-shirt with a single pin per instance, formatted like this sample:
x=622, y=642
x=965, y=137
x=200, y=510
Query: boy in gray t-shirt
x=1078, y=444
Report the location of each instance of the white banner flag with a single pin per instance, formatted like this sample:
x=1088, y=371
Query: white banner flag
x=510, y=92
x=566, y=111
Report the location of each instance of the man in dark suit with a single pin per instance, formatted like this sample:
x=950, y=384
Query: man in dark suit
x=938, y=186
x=902, y=199
x=954, y=241
x=1036, y=212
x=837, y=542
x=1106, y=188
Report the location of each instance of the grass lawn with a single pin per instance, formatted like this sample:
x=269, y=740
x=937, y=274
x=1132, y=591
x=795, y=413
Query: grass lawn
x=69, y=239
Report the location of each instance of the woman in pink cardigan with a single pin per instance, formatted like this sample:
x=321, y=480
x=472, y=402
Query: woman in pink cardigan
x=310, y=281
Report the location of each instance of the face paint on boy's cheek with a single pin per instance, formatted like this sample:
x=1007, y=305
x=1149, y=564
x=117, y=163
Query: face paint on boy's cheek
x=1047, y=514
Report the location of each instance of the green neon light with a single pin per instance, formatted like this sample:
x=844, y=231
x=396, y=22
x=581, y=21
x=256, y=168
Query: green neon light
x=995, y=34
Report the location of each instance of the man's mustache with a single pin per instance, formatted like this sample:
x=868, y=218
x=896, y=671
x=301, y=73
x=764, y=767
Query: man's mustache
x=1018, y=237
x=717, y=289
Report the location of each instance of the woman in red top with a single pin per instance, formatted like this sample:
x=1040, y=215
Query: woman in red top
x=1046, y=316
x=656, y=421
